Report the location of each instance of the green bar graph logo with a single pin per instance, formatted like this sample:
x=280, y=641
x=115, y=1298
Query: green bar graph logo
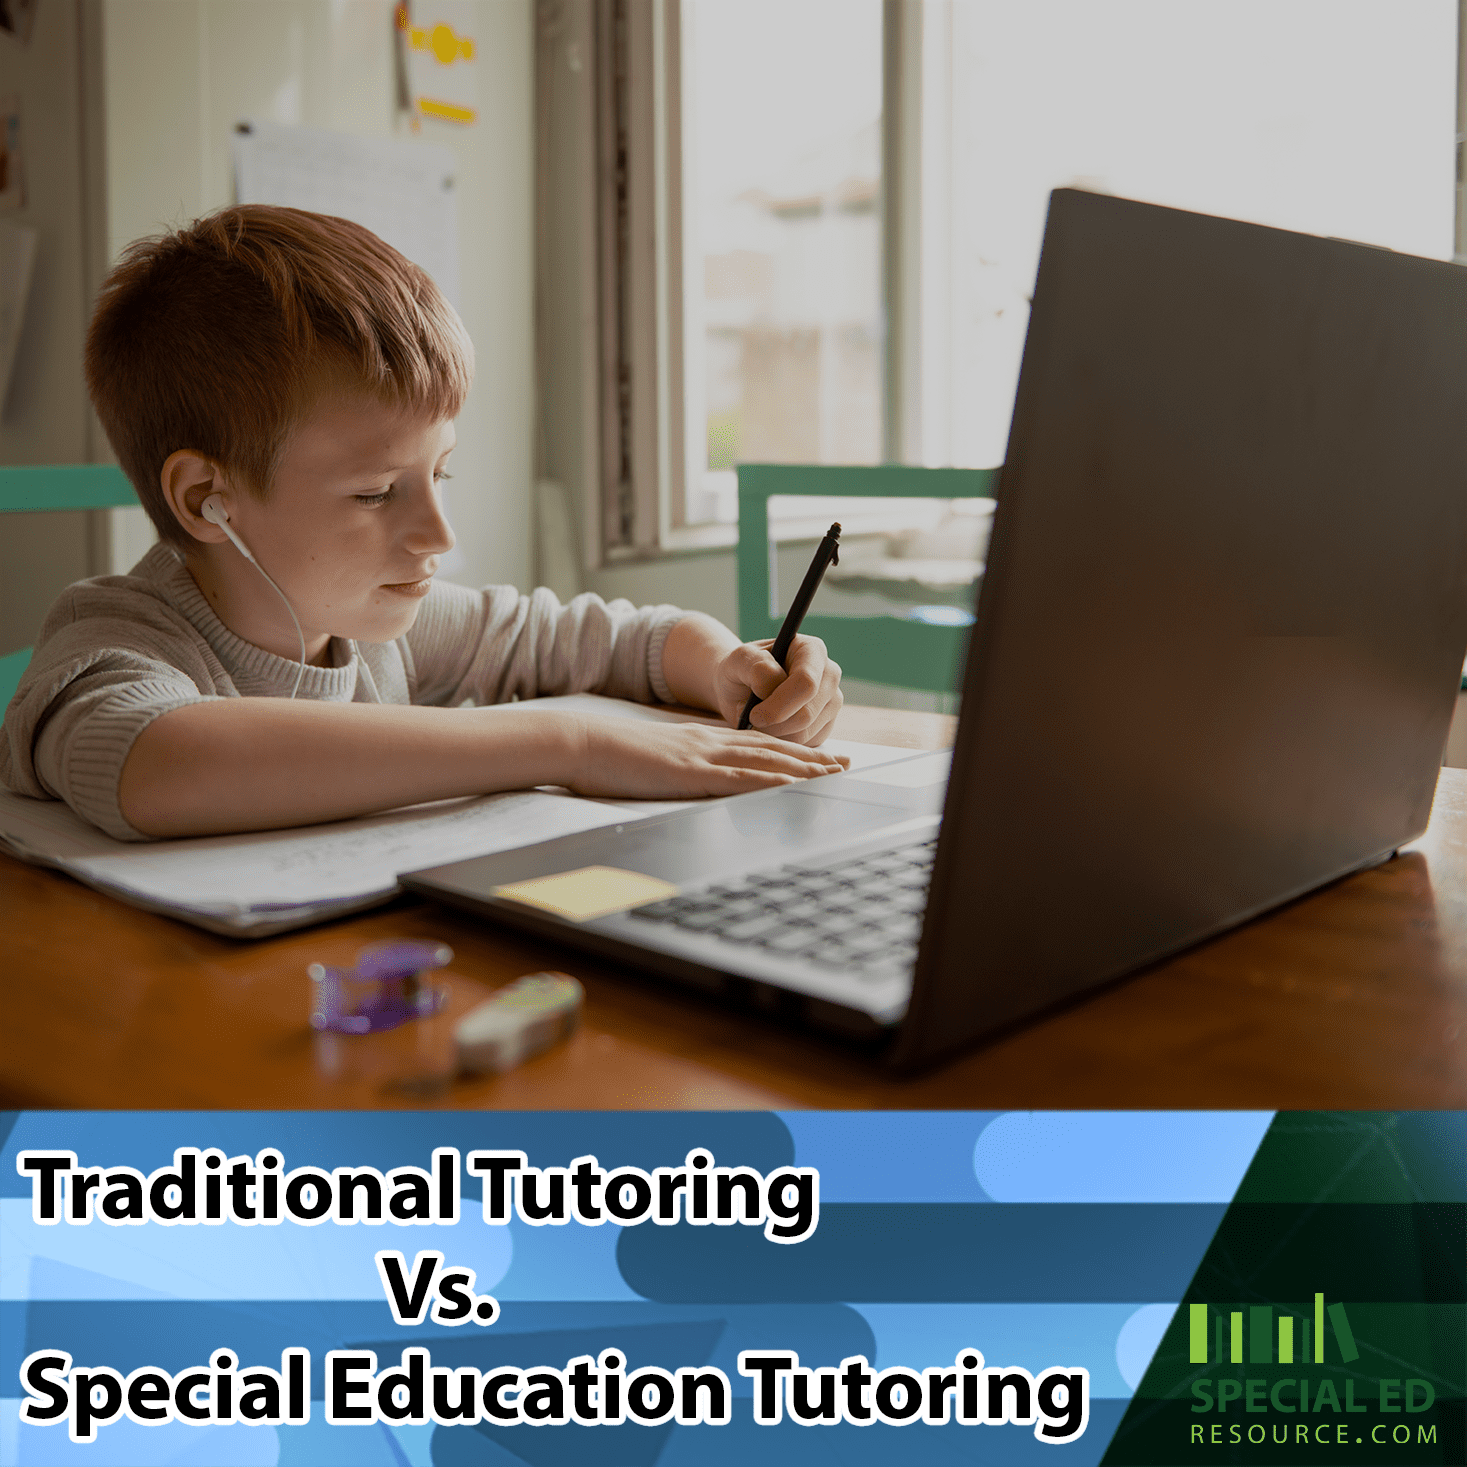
x=1265, y=1346
x=1197, y=1325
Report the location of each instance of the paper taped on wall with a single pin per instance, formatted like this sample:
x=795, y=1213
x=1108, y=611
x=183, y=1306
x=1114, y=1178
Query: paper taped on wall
x=399, y=188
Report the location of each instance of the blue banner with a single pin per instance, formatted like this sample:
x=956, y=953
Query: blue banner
x=475, y=1288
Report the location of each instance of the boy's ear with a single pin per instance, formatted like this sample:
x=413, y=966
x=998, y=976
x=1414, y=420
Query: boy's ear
x=187, y=480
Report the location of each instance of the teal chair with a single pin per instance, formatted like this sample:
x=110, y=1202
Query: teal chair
x=902, y=653
x=55, y=487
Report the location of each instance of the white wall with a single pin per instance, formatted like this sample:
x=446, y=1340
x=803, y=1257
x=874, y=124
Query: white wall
x=699, y=581
x=44, y=418
x=181, y=73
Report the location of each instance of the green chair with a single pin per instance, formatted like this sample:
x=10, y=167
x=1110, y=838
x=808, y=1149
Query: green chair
x=55, y=487
x=896, y=651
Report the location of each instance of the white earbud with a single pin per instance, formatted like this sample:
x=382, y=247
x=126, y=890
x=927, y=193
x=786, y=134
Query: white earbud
x=214, y=511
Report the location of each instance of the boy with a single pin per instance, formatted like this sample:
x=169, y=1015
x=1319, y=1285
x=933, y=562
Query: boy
x=280, y=387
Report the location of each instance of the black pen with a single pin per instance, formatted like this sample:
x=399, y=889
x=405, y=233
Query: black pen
x=826, y=553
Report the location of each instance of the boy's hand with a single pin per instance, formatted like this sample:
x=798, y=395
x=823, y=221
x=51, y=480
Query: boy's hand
x=799, y=704
x=680, y=761
x=706, y=666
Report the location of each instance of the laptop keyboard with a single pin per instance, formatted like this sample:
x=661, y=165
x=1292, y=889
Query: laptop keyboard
x=861, y=915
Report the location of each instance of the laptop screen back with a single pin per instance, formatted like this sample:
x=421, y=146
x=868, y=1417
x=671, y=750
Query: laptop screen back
x=1225, y=607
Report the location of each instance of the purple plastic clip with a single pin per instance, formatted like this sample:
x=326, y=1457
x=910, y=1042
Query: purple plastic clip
x=388, y=986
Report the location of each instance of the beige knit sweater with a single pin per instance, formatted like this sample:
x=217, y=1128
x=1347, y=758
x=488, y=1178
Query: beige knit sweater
x=117, y=651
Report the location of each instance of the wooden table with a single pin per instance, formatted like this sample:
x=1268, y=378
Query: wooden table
x=1353, y=997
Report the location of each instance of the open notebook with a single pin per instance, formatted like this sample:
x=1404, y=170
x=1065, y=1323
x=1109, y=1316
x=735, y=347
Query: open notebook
x=266, y=882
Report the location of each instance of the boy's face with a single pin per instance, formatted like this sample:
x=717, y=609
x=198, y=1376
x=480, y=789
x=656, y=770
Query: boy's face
x=352, y=531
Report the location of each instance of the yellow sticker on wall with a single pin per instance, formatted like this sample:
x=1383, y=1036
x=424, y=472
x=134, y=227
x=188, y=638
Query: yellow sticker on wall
x=436, y=74
x=592, y=891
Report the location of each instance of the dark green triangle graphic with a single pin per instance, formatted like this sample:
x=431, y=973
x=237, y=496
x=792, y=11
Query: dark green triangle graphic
x=1328, y=1317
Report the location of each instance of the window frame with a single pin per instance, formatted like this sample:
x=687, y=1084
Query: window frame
x=609, y=173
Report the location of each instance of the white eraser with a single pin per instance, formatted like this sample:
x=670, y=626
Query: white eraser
x=520, y=1020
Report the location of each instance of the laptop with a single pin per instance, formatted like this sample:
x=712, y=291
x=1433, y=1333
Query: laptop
x=1215, y=657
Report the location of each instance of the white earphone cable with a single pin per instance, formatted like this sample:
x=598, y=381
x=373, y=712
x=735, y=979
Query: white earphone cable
x=213, y=510
x=300, y=635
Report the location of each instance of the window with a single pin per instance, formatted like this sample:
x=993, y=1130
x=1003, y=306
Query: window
x=807, y=230
x=782, y=223
x=701, y=164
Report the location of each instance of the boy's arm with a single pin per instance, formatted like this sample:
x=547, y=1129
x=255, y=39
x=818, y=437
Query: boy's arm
x=238, y=764
x=495, y=644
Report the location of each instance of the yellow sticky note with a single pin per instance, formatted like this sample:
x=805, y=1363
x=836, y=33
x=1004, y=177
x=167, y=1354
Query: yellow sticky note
x=593, y=891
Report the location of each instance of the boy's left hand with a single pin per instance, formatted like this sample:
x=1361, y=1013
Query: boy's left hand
x=799, y=704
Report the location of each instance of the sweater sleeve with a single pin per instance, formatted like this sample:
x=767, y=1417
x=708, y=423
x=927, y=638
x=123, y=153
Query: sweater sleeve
x=493, y=645
x=93, y=685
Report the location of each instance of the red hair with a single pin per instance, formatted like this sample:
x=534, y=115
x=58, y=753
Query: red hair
x=221, y=337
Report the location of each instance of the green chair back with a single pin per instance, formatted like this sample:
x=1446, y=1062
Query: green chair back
x=881, y=649
x=46, y=487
